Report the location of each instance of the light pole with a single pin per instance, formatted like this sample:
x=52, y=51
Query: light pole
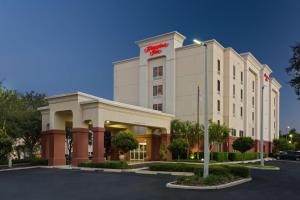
x=206, y=135
x=198, y=126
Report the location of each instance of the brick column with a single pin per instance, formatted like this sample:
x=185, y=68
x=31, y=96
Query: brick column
x=156, y=142
x=45, y=144
x=165, y=141
x=80, y=145
x=56, y=147
x=98, y=144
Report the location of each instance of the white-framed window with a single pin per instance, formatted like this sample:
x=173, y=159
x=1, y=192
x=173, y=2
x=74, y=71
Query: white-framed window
x=219, y=86
x=219, y=66
x=157, y=72
x=157, y=90
x=233, y=90
x=233, y=110
x=242, y=77
x=253, y=132
x=140, y=153
x=242, y=94
x=253, y=102
x=233, y=132
x=241, y=111
x=158, y=106
x=253, y=86
x=241, y=133
x=253, y=116
x=218, y=105
x=234, y=68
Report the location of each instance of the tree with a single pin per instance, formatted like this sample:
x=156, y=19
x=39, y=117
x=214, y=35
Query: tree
x=6, y=144
x=187, y=130
x=281, y=144
x=178, y=147
x=125, y=142
x=243, y=144
x=218, y=134
x=294, y=69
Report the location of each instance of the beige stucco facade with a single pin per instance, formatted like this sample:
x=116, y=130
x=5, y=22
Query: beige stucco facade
x=234, y=89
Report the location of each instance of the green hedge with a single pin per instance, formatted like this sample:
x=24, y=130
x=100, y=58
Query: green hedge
x=35, y=162
x=222, y=170
x=105, y=164
x=219, y=156
x=235, y=156
x=174, y=167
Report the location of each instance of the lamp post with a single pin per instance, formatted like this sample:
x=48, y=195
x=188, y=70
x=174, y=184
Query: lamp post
x=198, y=126
x=206, y=135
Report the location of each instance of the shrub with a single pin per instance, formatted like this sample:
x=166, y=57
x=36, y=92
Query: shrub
x=234, y=156
x=174, y=167
x=239, y=171
x=250, y=156
x=35, y=162
x=178, y=147
x=105, y=164
x=125, y=141
x=243, y=144
x=219, y=156
x=5, y=145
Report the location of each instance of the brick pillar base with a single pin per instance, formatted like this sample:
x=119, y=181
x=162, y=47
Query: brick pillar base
x=80, y=145
x=56, y=147
x=156, y=142
x=98, y=144
x=165, y=141
x=45, y=144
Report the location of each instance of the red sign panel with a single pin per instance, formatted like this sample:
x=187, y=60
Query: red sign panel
x=155, y=49
x=267, y=78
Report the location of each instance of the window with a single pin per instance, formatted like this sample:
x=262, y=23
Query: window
x=157, y=90
x=233, y=72
x=253, y=86
x=253, y=102
x=241, y=111
x=218, y=122
x=241, y=134
x=242, y=77
x=252, y=131
x=274, y=113
x=233, y=109
x=274, y=102
x=219, y=105
x=233, y=90
x=157, y=107
x=157, y=71
x=241, y=94
x=219, y=66
x=274, y=125
x=233, y=132
x=252, y=116
x=219, y=86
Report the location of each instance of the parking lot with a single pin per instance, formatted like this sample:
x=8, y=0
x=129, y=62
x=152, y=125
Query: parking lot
x=56, y=184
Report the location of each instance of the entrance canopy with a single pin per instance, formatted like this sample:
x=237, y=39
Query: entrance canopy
x=81, y=108
x=82, y=112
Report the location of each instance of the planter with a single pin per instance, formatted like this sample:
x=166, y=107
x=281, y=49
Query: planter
x=122, y=157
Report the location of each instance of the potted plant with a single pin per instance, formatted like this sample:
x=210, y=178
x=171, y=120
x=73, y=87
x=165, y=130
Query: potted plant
x=125, y=142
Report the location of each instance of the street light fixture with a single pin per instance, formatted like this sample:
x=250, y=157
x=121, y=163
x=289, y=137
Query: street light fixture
x=206, y=136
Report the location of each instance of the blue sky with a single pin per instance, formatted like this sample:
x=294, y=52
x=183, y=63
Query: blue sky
x=60, y=46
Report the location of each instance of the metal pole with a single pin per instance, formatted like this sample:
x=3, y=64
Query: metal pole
x=262, y=125
x=198, y=127
x=206, y=136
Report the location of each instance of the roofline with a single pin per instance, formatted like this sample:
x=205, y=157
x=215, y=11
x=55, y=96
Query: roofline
x=43, y=108
x=159, y=36
x=274, y=81
x=125, y=60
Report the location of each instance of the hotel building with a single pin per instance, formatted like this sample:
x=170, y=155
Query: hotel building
x=160, y=84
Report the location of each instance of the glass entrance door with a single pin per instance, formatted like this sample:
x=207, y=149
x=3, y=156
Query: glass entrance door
x=139, y=153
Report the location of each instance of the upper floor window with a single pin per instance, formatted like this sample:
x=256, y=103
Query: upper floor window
x=253, y=102
x=274, y=102
x=241, y=133
x=218, y=86
x=219, y=105
x=252, y=116
x=242, y=77
x=233, y=110
x=233, y=90
x=233, y=132
x=253, y=86
x=157, y=71
x=242, y=94
x=241, y=112
x=157, y=90
x=157, y=107
x=219, y=66
x=252, y=131
x=219, y=122
x=233, y=71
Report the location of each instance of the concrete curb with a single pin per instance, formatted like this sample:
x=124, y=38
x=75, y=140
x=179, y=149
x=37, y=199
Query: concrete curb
x=270, y=169
x=19, y=168
x=165, y=172
x=215, y=187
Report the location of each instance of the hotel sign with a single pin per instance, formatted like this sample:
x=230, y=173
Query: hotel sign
x=155, y=49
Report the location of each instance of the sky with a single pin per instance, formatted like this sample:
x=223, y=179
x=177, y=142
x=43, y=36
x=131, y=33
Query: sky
x=60, y=46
